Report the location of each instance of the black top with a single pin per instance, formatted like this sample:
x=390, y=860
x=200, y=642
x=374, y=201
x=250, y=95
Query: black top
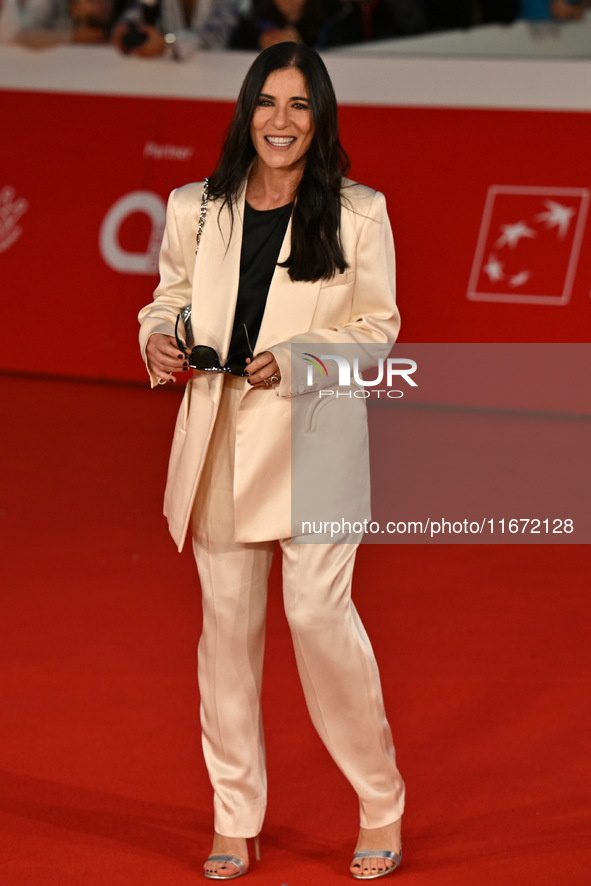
x=263, y=234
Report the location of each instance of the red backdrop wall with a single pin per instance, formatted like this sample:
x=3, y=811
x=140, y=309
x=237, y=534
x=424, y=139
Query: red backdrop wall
x=84, y=179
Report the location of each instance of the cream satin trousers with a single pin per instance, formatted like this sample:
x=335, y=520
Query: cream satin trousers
x=335, y=660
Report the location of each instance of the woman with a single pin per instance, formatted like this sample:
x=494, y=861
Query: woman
x=295, y=253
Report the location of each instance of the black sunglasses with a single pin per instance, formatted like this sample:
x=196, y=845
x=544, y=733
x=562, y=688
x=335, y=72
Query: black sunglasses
x=205, y=359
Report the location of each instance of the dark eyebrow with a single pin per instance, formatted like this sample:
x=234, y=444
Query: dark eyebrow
x=294, y=98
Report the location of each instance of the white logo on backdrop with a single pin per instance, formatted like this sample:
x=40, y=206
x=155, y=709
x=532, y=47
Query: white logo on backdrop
x=110, y=247
x=529, y=245
x=11, y=210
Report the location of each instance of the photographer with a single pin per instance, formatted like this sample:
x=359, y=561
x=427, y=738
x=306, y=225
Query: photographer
x=153, y=28
x=39, y=24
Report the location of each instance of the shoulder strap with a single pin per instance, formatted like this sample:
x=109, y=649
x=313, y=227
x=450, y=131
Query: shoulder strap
x=202, y=213
x=185, y=314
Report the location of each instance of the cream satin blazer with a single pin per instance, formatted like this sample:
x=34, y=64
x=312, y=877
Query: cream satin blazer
x=357, y=306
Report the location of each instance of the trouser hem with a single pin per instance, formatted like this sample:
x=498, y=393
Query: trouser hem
x=246, y=822
x=380, y=813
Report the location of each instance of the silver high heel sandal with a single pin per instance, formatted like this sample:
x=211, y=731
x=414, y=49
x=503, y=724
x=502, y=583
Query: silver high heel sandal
x=394, y=857
x=242, y=867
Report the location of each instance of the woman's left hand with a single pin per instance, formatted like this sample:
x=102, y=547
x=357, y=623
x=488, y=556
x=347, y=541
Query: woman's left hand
x=263, y=370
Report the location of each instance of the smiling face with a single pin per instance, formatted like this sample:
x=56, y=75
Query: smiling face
x=282, y=126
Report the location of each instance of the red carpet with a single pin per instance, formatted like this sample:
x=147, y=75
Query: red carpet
x=484, y=654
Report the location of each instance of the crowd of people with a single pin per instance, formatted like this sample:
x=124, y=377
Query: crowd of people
x=176, y=28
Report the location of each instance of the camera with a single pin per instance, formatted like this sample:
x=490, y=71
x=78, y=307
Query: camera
x=139, y=13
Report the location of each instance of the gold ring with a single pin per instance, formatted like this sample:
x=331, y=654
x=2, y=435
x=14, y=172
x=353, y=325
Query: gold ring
x=274, y=379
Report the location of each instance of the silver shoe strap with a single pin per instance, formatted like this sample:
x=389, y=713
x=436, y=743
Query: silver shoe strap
x=378, y=853
x=230, y=859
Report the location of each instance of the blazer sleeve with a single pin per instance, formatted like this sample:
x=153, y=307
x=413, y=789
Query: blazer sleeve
x=374, y=318
x=174, y=289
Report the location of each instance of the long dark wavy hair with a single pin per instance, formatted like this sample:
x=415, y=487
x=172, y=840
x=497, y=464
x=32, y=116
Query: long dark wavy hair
x=316, y=251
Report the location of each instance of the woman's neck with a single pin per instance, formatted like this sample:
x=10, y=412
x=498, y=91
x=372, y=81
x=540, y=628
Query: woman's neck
x=269, y=188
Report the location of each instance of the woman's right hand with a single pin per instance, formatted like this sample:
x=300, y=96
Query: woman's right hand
x=164, y=357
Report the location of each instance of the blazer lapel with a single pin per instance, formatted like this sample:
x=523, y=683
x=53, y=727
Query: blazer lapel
x=216, y=275
x=290, y=304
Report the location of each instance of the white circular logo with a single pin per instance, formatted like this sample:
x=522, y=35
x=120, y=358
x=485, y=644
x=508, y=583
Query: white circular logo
x=111, y=250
